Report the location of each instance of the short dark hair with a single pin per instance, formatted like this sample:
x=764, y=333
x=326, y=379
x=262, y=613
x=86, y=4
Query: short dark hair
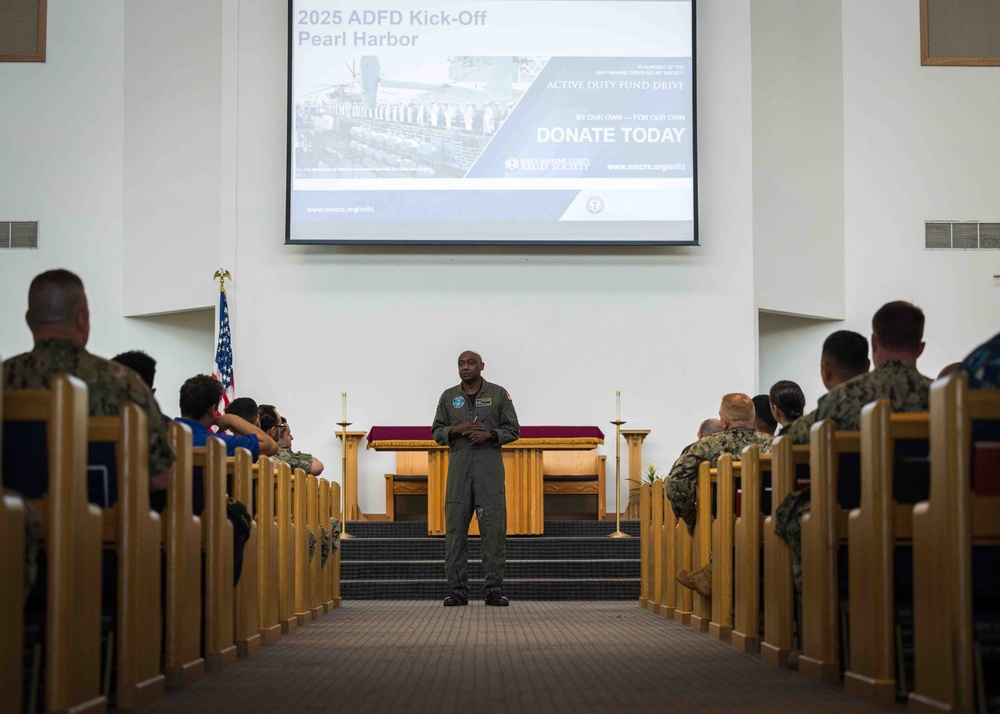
x=268, y=417
x=243, y=407
x=54, y=297
x=899, y=325
x=788, y=397
x=198, y=394
x=848, y=351
x=140, y=363
x=762, y=406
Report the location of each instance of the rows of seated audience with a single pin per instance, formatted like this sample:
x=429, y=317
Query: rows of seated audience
x=748, y=431
x=852, y=384
x=59, y=319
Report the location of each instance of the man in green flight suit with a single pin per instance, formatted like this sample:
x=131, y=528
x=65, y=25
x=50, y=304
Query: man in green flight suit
x=474, y=419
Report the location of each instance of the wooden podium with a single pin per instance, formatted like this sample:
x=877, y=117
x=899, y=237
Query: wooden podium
x=352, y=512
x=522, y=460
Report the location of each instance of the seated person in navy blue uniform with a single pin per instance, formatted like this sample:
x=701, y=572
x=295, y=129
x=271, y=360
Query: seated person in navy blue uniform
x=199, y=401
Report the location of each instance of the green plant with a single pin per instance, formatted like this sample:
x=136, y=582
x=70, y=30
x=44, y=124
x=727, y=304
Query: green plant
x=649, y=477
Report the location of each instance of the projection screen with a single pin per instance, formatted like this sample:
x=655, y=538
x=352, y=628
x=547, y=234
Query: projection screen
x=492, y=121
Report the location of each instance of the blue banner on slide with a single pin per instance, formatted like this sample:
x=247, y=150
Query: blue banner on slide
x=598, y=117
x=430, y=206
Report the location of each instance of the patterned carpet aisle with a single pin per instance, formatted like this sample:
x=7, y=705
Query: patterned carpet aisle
x=378, y=656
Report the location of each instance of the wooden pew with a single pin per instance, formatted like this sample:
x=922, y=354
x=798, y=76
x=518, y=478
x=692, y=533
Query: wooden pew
x=246, y=619
x=874, y=529
x=779, y=588
x=12, y=525
x=701, y=546
x=71, y=529
x=656, y=546
x=183, y=663
x=945, y=527
x=269, y=592
x=822, y=531
x=335, y=511
x=325, y=513
x=135, y=533
x=217, y=541
x=315, y=563
x=300, y=555
x=748, y=539
x=645, y=545
x=669, y=590
x=683, y=558
x=286, y=550
x=723, y=527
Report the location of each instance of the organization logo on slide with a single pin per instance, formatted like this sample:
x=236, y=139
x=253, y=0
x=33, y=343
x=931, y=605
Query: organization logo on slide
x=595, y=204
x=512, y=164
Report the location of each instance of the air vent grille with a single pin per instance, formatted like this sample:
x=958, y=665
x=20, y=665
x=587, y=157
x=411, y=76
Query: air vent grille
x=961, y=235
x=18, y=234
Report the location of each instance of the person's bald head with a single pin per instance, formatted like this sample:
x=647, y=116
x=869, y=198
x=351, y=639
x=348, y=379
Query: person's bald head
x=57, y=307
x=709, y=427
x=737, y=410
x=470, y=367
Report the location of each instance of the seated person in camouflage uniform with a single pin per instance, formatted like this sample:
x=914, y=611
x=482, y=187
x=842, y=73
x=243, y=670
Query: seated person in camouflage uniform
x=709, y=427
x=140, y=363
x=844, y=357
x=897, y=334
x=59, y=320
x=737, y=415
x=281, y=431
x=764, y=421
x=787, y=403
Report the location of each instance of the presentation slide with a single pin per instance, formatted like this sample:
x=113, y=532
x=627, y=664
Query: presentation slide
x=492, y=121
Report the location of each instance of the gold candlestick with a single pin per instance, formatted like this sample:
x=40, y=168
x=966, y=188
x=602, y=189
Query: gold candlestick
x=343, y=474
x=618, y=481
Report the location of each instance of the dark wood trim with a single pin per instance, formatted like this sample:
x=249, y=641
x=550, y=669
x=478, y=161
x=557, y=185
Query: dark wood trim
x=39, y=54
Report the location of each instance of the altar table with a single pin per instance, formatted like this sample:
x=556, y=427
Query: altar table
x=522, y=460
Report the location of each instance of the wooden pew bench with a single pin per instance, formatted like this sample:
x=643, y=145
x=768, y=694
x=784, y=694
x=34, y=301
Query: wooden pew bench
x=961, y=513
x=182, y=662
x=135, y=535
x=877, y=527
x=217, y=543
x=55, y=420
x=787, y=465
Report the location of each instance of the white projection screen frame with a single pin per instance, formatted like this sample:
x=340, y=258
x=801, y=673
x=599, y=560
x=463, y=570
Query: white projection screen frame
x=492, y=122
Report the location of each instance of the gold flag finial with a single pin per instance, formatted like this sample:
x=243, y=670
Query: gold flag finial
x=222, y=275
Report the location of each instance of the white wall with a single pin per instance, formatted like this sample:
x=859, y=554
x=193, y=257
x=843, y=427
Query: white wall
x=919, y=143
x=562, y=329
x=798, y=157
x=673, y=329
x=172, y=154
x=61, y=163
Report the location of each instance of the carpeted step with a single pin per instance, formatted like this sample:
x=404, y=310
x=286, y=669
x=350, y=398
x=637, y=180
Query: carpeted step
x=515, y=569
x=518, y=548
x=557, y=529
x=516, y=589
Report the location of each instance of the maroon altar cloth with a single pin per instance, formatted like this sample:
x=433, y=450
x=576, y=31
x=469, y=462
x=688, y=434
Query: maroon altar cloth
x=423, y=433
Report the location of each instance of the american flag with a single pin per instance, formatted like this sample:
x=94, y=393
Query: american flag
x=223, y=370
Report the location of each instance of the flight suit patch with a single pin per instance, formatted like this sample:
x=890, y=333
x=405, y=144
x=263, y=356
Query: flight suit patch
x=458, y=402
x=487, y=402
